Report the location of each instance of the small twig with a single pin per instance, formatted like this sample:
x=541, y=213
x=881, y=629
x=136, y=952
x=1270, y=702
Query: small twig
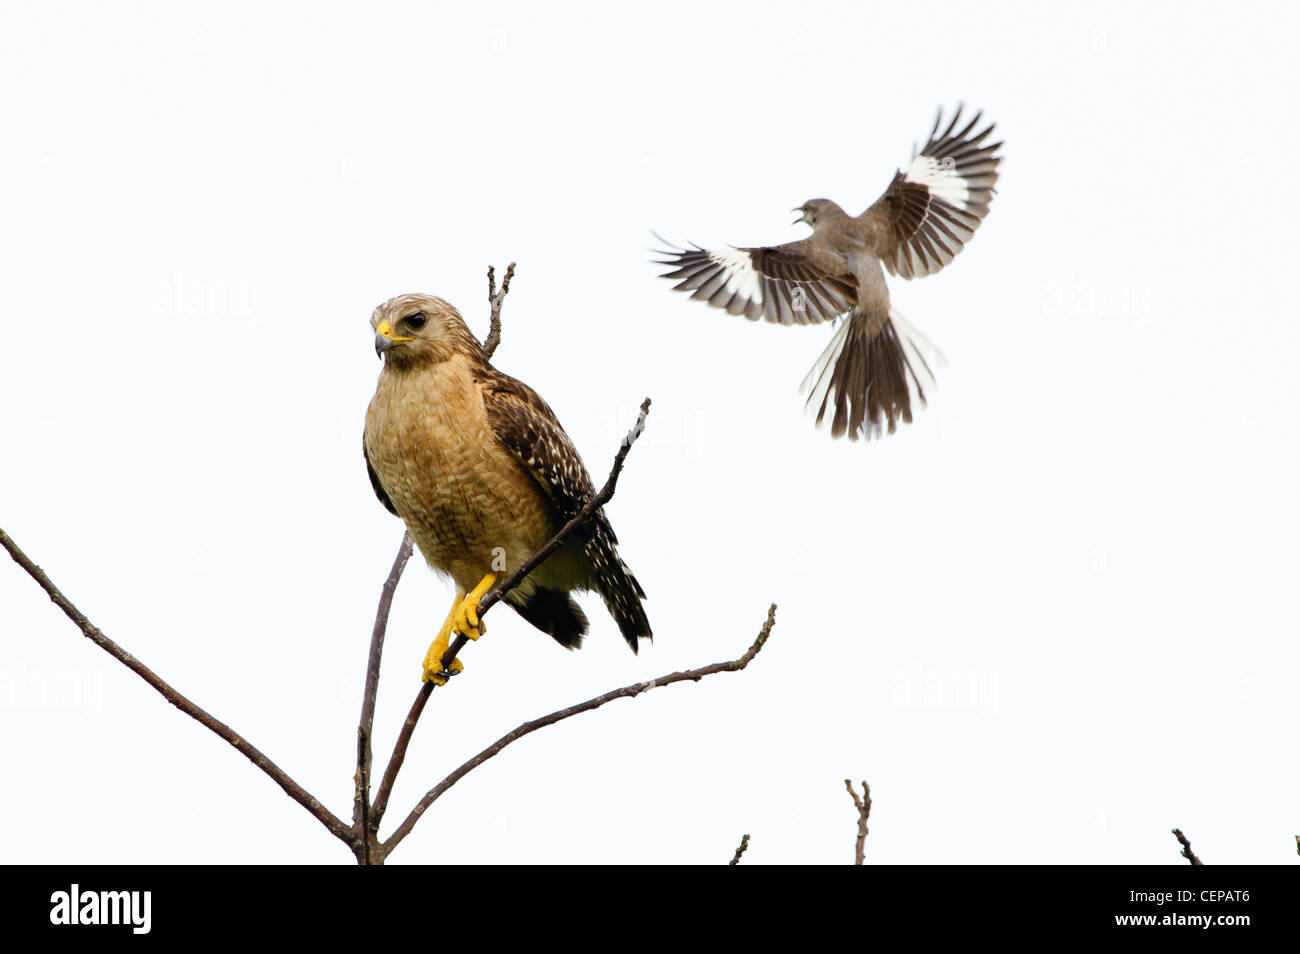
x=495, y=299
x=361, y=798
x=740, y=850
x=93, y=633
x=627, y=692
x=863, y=805
x=1187, y=847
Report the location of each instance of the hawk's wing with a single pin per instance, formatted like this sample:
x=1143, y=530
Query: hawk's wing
x=930, y=212
x=528, y=428
x=798, y=283
x=374, y=481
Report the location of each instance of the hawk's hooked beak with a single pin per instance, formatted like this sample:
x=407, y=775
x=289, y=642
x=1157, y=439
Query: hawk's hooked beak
x=384, y=338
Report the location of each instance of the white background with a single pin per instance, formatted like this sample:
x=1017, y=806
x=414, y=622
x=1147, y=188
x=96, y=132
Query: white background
x=1049, y=621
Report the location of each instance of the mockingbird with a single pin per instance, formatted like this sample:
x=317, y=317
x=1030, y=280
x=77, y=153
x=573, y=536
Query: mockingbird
x=865, y=377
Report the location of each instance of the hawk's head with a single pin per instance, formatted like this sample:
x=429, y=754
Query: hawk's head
x=413, y=328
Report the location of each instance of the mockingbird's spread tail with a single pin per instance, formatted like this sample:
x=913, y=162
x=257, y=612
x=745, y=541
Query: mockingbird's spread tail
x=876, y=362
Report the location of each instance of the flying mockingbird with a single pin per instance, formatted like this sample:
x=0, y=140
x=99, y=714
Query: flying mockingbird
x=865, y=378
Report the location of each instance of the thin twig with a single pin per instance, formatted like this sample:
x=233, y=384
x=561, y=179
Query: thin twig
x=361, y=798
x=495, y=299
x=295, y=791
x=863, y=805
x=1187, y=848
x=627, y=692
x=740, y=850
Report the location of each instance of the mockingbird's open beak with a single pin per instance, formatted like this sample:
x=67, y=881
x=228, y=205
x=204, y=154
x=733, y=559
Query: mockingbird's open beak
x=803, y=217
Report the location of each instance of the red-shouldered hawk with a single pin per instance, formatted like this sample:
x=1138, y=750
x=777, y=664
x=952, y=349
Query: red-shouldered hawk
x=480, y=470
x=866, y=375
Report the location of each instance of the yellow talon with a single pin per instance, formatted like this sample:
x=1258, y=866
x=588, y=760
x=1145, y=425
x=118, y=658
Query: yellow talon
x=433, y=658
x=466, y=622
x=462, y=620
x=434, y=673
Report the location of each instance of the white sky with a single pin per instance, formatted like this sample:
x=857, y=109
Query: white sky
x=1049, y=621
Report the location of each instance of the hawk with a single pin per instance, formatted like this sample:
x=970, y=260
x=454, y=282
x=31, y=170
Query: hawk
x=477, y=466
x=866, y=377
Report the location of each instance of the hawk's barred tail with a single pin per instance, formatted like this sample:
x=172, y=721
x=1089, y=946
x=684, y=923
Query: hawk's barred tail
x=623, y=596
x=868, y=374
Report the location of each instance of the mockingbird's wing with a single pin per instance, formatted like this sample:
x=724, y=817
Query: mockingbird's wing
x=931, y=210
x=799, y=283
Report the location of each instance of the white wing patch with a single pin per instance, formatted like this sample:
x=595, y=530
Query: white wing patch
x=940, y=176
x=736, y=281
x=741, y=276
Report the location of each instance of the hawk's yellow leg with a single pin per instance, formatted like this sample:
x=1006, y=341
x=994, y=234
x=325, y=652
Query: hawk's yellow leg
x=433, y=658
x=462, y=620
x=466, y=623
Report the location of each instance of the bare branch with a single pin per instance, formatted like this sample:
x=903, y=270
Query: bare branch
x=627, y=692
x=399, y=754
x=863, y=805
x=361, y=798
x=1187, y=848
x=92, y=632
x=495, y=299
x=740, y=850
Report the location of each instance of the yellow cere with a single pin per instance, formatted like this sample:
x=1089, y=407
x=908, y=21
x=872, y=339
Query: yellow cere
x=386, y=330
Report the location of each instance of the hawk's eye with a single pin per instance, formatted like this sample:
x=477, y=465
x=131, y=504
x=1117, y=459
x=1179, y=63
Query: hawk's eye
x=416, y=320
